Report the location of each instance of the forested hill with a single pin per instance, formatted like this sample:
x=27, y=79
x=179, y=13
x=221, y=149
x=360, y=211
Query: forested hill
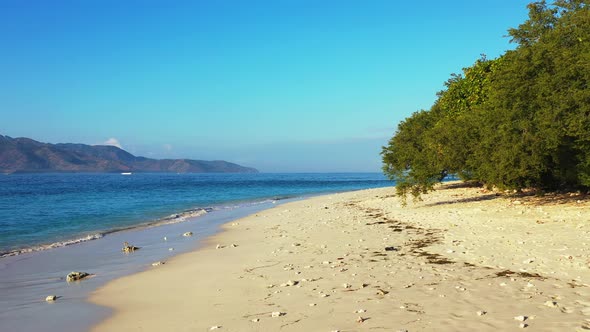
x=519, y=121
x=27, y=155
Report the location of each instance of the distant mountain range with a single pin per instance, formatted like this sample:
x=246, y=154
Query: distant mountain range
x=24, y=155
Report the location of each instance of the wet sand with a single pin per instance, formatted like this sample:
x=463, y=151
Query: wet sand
x=464, y=259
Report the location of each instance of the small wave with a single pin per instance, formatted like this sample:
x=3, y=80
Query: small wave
x=181, y=217
x=52, y=245
x=171, y=219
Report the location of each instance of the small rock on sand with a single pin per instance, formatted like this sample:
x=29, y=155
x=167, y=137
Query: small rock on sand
x=520, y=318
x=127, y=248
x=523, y=325
x=75, y=276
x=215, y=327
x=255, y=320
x=277, y=314
x=481, y=313
x=51, y=298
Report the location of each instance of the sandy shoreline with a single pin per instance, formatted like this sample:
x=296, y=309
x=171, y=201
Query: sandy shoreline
x=461, y=260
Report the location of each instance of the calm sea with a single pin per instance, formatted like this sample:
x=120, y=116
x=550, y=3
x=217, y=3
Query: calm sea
x=41, y=211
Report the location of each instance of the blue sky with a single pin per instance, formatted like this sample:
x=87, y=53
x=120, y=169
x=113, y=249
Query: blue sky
x=284, y=86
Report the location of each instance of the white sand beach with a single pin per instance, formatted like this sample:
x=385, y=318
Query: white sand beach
x=463, y=259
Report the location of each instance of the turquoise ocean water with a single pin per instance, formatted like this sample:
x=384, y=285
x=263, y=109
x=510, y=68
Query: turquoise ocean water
x=42, y=211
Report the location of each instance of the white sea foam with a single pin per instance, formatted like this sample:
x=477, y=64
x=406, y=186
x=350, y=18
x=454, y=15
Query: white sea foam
x=172, y=219
x=59, y=244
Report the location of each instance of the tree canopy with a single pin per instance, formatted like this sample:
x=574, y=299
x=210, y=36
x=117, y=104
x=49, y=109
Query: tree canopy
x=519, y=121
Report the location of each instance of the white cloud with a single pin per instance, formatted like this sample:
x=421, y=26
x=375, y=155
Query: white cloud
x=113, y=142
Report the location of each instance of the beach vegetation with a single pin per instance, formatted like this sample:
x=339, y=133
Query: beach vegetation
x=519, y=121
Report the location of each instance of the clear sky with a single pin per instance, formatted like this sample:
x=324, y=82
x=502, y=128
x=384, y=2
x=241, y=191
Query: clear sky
x=283, y=86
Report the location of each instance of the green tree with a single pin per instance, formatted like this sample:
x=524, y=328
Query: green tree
x=522, y=120
x=432, y=144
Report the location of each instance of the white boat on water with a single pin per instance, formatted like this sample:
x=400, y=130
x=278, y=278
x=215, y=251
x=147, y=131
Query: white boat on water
x=126, y=173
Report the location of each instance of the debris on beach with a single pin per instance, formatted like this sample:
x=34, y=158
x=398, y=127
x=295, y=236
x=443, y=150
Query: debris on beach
x=289, y=283
x=233, y=245
x=360, y=319
x=551, y=304
x=523, y=325
x=255, y=320
x=346, y=285
x=481, y=313
x=187, y=234
x=382, y=292
x=390, y=249
x=520, y=318
x=215, y=327
x=127, y=248
x=75, y=276
x=360, y=311
x=277, y=314
x=51, y=298
x=158, y=263
x=219, y=246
